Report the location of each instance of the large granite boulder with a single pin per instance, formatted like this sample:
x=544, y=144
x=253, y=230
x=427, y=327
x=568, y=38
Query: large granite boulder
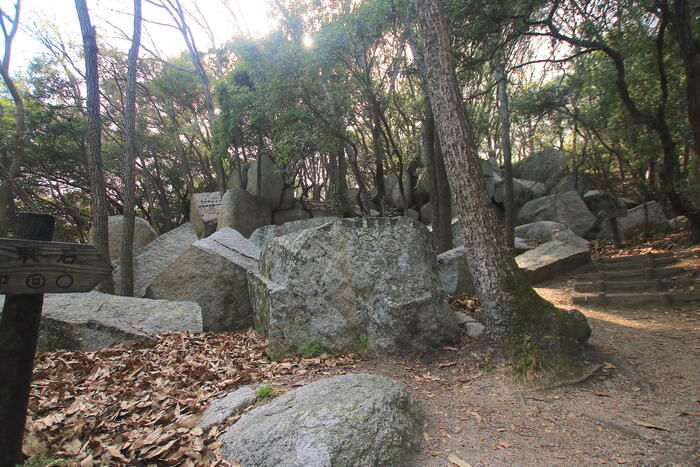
x=271, y=187
x=92, y=321
x=143, y=234
x=290, y=215
x=552, y=259
x=345, y=420
x=545, y=166
x=238, y=179
x=633, y=223
x=580, y=183
x=491, y=177
x=212, y=272
x=264, y=235
x=453, y=271
x=540, y=231
x=566, y=208
x=155, y=257
x=349, y=281
x=204, y=212
x=394, y=195
x=243, y=212
x=522, y=191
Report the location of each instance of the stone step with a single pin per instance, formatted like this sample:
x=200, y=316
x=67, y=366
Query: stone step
x=625, y=259
x=635, y=262
x=645, y=274
x=664, y=299
x=655, y=285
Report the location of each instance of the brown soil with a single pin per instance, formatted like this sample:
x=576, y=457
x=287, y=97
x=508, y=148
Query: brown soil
x=477, y=412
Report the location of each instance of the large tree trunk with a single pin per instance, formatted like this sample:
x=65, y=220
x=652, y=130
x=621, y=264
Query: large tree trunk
x=93, y=139
x=127, y=252
x=7, y=201
x=516, y=315
x=508, y=201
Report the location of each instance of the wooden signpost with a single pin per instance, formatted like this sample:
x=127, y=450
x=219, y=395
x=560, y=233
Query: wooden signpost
x=31, y=265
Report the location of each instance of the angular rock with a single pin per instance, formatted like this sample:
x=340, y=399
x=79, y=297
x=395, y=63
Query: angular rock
x=231, y=404
x=413, y=214
x=491, y=177
x=567, y=236
x=426, y=213
x=271, y=183
x=552, y=259
x=243, y=212
x=204, y=212
x=522, y=192
x=545, y=166
x=521, y=246
x=155, y=257
x=351, y=280
x=238, y=180
x=472, y=326
x=143, y=234
x=212, y=272
x=394, y=196
x=634, y=222
x=540, y=231
x=345, y=420
x=92, y=321
x=264, y=235
x=566, y=208
x=580, y=183
x=453, y=271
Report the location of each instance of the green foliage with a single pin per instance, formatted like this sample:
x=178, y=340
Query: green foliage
x=362, y=344
x=267, y=392
x=42, y=459
x=312, y=349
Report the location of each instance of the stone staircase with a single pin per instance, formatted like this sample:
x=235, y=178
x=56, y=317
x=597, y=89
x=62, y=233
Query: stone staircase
x=633, y=280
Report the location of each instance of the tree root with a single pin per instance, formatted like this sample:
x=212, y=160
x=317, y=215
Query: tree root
x=616, y=426
x=573, y=382
x=601, y=356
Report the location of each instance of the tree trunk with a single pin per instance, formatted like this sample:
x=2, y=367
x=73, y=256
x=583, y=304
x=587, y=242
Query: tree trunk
x=93, y=140
x=508, y=200
x=517, y=316
x=442, y=208
x=127, y=252
x=7, y=201
x=378, y=150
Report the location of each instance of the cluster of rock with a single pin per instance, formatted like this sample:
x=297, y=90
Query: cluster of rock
x=255, y=198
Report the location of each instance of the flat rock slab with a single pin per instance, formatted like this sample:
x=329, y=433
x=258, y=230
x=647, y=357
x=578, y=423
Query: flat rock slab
x=264, y=235
x=231, y=404
x=346, y=420
x=204, y=212
x=155, y=257
x=91, y=321
x=552, y=259
x=351, y=282
x=143, y=234
x=212, y=272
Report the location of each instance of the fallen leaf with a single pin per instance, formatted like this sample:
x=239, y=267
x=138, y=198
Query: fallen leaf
x=648, y=425
x=457, y=461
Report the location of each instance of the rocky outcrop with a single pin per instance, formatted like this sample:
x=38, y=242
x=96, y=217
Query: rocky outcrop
x=552, y=259
x=370, y=280
x=545, y=166
x=264, y=235
x=633, y=223
x=204, y=212
x=345, y=420
x=567, y=208
x=155, y=257
x=143, y=234
x=92, y=321
x=271, y=186
x=212, y=272
x=242, y=212
x=540, y=231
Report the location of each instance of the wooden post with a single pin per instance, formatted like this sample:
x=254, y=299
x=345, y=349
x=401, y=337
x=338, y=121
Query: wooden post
x=19, y=332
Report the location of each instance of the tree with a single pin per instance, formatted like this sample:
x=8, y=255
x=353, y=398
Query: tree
x=93, y=139
x=127, y=250
x=514, y=310
x=10, y=166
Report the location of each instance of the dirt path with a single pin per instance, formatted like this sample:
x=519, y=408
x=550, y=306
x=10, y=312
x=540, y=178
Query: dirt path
x=486, y=418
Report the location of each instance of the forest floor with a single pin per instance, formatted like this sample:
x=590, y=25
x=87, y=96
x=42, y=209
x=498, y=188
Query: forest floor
x=135, y=403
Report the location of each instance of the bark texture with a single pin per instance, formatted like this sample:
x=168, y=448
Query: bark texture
x=93, y=145
x=127, y=253
x=513, y=308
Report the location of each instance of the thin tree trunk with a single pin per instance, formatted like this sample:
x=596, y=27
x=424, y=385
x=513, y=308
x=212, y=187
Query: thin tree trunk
x=127, y=251
x=508, y=199
x=517, y=315
x=7, y=202
x=93, y=140
x=378, y=150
